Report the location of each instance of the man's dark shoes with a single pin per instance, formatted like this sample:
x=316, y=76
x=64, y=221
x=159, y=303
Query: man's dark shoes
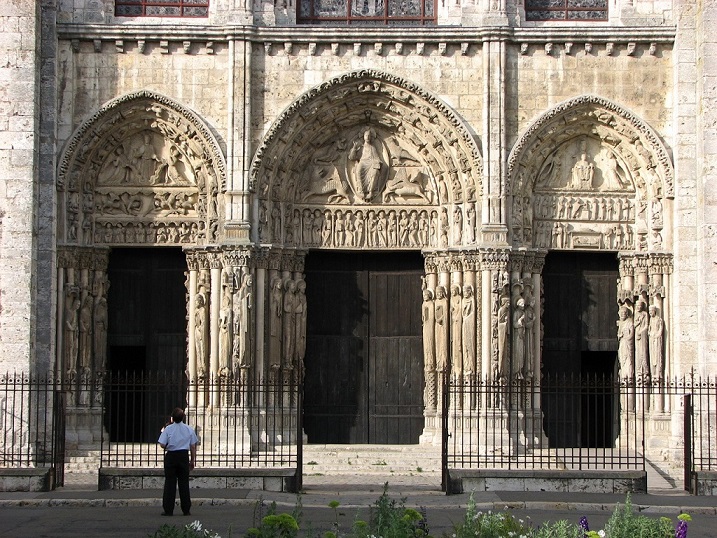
x=165, y=514
x=187, y=513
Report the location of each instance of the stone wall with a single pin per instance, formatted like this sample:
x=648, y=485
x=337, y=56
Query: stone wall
x=19, y=146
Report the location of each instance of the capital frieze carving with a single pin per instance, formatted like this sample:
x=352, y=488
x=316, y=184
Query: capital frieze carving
x=192, y=260
x=494, y=259
x=237, y=256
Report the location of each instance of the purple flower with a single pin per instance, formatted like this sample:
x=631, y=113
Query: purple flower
x=584, y=524
x=681, y=531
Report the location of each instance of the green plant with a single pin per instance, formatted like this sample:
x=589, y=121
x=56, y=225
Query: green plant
x=489, y=524
x=391, y=519
x=559, y=529
x=191, y=530
x=624, y=523
x=273, y=525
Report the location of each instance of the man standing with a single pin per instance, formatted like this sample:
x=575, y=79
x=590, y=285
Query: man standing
x=180, y=444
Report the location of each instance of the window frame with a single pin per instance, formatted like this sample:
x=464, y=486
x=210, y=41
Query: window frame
x=181, y=4
x=567, y=10
x=374, y=21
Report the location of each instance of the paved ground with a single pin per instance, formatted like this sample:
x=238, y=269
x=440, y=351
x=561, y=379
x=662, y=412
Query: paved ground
x=78, y=509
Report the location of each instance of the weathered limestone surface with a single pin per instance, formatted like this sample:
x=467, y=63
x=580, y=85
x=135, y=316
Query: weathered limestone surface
x=19, y=146
x=247, y=140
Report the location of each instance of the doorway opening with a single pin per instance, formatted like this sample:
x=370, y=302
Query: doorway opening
x=364, y=348
x=580, y=349
x=146, y=340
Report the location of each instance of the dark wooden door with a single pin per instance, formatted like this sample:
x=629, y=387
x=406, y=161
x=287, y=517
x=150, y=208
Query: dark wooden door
x=146, y=335
x=580, y=346
x=364, y=358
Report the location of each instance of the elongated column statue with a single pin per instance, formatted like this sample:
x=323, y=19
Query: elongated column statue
x=469, y=329
x=200, y=335
x=626, y=343
x=641, y=323
x=503, y=342
x=276, y=310
x=456, y=324
x=225, y=330
x=289, y=322
x=656, y=333
x=442, y=320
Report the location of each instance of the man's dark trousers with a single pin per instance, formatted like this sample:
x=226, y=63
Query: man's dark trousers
x=176, y=471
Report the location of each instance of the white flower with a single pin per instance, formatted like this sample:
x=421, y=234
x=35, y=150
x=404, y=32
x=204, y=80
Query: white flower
x=601, y=534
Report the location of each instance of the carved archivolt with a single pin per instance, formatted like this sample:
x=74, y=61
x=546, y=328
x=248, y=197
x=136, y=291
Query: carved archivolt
x=373, y=140
x=589, y=174
x=143, y=169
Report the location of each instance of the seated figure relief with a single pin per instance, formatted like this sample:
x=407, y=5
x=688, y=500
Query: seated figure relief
x=364, y=166
x=588, y=167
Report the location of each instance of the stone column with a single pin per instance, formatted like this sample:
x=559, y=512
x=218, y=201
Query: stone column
x=193, y=266
x=215, y=275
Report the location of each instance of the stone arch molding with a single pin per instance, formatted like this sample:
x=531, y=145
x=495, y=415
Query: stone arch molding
x=367, y=160
x=142, y=170
x=590, y=174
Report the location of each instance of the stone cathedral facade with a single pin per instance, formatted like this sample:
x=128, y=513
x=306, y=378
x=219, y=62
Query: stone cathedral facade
x=486, y=135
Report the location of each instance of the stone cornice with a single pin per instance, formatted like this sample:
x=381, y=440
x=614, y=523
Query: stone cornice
x=333, y=34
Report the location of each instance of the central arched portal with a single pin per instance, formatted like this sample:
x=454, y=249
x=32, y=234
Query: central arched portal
x=364, y=349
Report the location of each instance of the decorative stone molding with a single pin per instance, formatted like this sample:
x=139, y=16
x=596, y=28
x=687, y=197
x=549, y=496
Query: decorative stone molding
x=389, y=144
x=597, y=184
x=142, y=170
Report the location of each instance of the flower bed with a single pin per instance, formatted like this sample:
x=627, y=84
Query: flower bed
x=390, y=518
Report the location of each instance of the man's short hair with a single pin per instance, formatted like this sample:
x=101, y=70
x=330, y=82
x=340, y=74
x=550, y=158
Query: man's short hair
x=178, y=415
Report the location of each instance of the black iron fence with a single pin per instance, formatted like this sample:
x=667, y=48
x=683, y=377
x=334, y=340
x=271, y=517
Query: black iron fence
x=559, y=422
x=240, y=423
x=700, y=426
x=31, y=425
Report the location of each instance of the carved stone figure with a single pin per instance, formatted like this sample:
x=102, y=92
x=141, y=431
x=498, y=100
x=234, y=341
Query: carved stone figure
x=146, y=158
x=456, y=328
x=276, y=309
x=468, y=333
x=641, y=322
x=656, y=334
x=225, y=329
x=428, y=318
x=200, y=334
x=405, y=186
x=626, y=343
x=300, y=309
x=612, y=175
x=85, y=332
x=582, y=173
x=519, y=338
x=503, y=332
x=529, y=323
x=100, y=333
x=119, y=168
x=243, y=305
x=71, y=332
x=369, y=172
x=289, y=322
x=442, y=320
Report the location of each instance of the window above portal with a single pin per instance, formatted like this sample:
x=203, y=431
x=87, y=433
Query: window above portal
x=566, y=10
x=161, y=8
x=367, y=12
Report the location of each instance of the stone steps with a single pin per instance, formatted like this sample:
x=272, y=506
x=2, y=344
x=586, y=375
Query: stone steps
x=371, y=459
